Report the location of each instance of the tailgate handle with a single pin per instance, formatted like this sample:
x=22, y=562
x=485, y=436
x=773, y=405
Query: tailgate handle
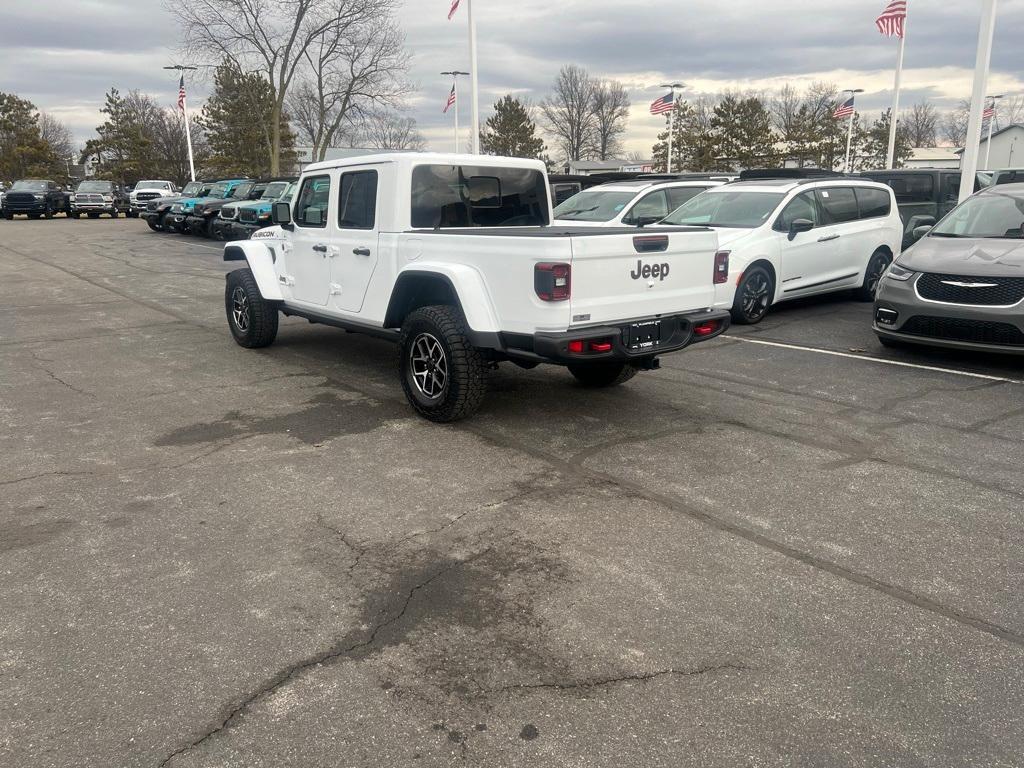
x=650, y=243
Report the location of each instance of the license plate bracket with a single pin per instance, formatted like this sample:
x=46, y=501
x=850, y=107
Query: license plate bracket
x=646, y=334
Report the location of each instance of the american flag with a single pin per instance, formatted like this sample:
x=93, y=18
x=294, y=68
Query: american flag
x=844, y=110
x=453, y=9
x=893, y=19
x=988, y=113
x=181, y=94
x=451, y=102
x=663, y=105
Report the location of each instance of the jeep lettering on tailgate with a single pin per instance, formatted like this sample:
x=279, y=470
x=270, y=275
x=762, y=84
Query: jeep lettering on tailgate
x=649, y=270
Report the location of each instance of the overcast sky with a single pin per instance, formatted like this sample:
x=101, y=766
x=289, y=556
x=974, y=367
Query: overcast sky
x=65, y=55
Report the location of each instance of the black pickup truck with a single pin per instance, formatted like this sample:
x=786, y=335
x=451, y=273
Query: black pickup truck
x=35, y=198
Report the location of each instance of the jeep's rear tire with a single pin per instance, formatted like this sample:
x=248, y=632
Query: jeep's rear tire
x=443, y=375
x=600, y=375
x=252, y=319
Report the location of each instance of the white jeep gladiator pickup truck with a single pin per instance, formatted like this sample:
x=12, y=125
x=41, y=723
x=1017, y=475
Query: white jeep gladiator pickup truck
x=454, y=258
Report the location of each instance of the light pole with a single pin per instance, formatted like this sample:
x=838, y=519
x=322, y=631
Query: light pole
x=849, y=128
x=184, y=112
x=671, y=120
x=969, y=163
x=455, y=89
x=991, y=121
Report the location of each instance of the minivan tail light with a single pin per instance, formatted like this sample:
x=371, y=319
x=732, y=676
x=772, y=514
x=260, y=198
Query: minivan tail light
x=552, y=282
x=721, y=267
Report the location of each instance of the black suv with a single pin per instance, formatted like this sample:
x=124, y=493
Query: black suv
x=34, y=197
x=923, y=195
x=96, y=196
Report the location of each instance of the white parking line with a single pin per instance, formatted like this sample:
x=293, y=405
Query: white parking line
x=879, y=360
x=200, y=245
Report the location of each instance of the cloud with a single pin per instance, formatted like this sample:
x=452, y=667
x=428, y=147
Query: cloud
x=713, y=46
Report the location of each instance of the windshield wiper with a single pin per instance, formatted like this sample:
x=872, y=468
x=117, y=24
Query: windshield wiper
x=944, y=234
x=578, y=210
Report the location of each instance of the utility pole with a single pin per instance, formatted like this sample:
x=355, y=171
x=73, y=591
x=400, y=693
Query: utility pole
x=991, y=122
x=455, y=88
x=671, y=120
x=969, y=164
x=849, y=128
x=184, y=112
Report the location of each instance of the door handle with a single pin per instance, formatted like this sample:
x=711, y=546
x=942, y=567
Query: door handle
x=320, y=248
x=827, y=238
x=361, y=251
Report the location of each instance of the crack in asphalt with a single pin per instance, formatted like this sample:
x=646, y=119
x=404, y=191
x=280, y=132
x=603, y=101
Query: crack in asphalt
x=293, y=671
x=41, y=365
x=603, y=682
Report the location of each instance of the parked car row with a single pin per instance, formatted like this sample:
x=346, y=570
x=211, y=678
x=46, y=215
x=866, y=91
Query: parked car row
x=224, y=209
x=958, y=283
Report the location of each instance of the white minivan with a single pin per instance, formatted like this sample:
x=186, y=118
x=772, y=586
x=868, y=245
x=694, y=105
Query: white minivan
x=637, y=202
x=788, y=238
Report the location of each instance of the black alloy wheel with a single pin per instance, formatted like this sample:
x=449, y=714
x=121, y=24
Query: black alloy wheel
x=880, y=261
x=753, y=297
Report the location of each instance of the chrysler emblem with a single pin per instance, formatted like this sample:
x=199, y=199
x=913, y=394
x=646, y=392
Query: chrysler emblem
x=960, y=284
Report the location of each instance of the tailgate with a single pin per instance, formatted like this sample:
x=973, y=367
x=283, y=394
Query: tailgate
x=640, y=274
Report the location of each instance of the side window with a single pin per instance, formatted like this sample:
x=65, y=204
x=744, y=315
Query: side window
x=679, y=195
x=873, y=202
x=654, y=204
x=357, y=202
x=803, y=206
x=913, y=188
x=838, y=205
x=311, y=204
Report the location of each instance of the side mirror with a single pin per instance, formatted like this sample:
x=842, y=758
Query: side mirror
x=281, y=214
x=921, y=231
x=643, y=221
x=921, y=221
x=800, y=225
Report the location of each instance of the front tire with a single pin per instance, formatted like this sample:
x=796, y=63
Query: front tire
x=252, y=319
x=443, y=375
x=601, y=375
x=753, y=297
x=877, y=264
x=48, y=213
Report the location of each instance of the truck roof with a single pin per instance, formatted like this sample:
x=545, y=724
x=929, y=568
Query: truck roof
x=409, y=159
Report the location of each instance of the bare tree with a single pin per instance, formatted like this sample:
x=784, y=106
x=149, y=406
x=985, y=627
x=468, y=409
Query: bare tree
x=568, y=114
x=785, y=111
x=611, y=113
x=1010, y=111
x=922, y=124
x=385, y=129
x=57, y=135
x=348, y=77
x=274, y=38
x=954, y=124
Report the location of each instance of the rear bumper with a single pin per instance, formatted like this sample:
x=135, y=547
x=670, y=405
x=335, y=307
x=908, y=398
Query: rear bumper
x=675, y=333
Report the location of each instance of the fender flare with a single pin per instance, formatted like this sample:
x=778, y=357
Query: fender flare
x=260, y=257
x=466, y=284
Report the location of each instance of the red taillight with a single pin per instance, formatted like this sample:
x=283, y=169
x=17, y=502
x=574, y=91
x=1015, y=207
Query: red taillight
x=706, y=328
x=576, y=346
x=589, y=346
x=552, y=282
x=721, y=267
x=600, y=346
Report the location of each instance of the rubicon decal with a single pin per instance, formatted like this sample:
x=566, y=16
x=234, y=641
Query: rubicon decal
x=642, y=270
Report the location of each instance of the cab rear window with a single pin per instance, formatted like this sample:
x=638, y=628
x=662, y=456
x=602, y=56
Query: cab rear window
x=445, y=196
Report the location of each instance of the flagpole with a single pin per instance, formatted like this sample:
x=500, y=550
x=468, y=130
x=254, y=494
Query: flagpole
x=991, y=122
x=891, y=151
x=849, y=140
x=969, y=164
x=184, y=112
x=671, y=121
x=474, y=85
x=455, y=89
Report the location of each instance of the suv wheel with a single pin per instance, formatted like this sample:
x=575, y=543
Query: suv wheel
x=879, y=262
x=444, y=376
x=599, y=375
x=251, y=318
x=753, y=297
x=48, y=213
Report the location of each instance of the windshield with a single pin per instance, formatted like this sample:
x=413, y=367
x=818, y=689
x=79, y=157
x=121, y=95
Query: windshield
x=594, y=205
x=194, y=189
x=275, y=190
x=218, y=190
x=989, y=215
x=95, y=186
x=242, y=191
x=30, y=186
x=727, y=208
x=152, y=185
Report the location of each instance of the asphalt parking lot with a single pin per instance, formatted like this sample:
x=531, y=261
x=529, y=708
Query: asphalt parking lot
x=761, y=555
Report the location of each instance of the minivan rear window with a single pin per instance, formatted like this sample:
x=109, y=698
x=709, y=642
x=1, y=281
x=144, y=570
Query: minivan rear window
x=873, y=202
x=838, y=203
x=445, y=196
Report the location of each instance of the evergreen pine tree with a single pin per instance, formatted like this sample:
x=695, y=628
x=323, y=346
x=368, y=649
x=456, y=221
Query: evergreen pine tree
x=510, y=132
